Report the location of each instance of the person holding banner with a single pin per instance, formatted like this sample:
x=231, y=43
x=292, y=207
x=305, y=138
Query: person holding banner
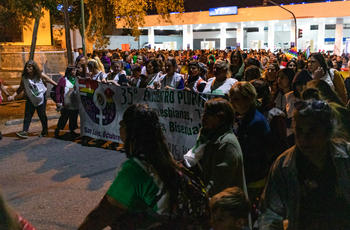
x=153, y=68
x=217, y=156
x=195, y=81
x=118, y=75
x=170, y=80
x=221, y=83
x=96, y=74
x=67, y=102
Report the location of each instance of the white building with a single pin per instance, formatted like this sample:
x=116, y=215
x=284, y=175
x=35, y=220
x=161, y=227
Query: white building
x=325, y=26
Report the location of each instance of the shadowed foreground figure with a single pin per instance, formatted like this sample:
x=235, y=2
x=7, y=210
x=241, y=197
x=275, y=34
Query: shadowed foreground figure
x=309, y=184
x=147, y=191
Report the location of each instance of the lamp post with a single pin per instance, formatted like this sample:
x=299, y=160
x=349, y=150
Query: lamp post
x=295, y=20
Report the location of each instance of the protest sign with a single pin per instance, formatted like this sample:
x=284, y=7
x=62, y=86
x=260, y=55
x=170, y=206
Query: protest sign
x=102, y=107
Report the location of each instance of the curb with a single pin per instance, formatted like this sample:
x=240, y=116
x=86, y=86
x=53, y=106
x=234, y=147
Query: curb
x=20, y=121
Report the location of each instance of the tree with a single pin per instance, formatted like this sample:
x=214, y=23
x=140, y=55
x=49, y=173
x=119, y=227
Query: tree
x=133, y=13
x=19, y=14
x=102, y=15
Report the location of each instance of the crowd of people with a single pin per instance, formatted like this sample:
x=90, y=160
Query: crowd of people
x=273, y=151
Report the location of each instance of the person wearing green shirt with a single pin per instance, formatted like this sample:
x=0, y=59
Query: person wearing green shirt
x=144, y=189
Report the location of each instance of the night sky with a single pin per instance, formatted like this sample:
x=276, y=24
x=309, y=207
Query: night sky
x=198, y=5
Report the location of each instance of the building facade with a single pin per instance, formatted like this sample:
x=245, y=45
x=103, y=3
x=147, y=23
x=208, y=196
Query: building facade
x=324, y=26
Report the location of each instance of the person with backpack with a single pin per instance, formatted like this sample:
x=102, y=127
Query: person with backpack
x=217, y=156
x=33, y=84
x=67, y=102
x=151, y=191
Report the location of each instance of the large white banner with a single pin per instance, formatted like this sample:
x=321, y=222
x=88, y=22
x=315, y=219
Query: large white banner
x=102, y=107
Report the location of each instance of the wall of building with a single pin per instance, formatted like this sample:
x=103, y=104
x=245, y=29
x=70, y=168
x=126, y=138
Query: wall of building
x=44, y=33
x=310, y=10
x=253, y=40
x=169, y=38
x=117, y=41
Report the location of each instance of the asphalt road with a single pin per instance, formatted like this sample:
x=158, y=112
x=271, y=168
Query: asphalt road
x=54, y=183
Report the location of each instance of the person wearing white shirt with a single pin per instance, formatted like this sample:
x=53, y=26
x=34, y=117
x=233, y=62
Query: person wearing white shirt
x=221, y=83
x=170, y=80
x=96, y=74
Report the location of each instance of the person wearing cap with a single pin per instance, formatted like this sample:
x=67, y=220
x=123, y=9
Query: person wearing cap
x=309, y=184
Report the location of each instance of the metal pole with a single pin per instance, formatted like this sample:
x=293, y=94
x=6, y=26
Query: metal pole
x=67, y=29
x=83, y=26
x=295, y=21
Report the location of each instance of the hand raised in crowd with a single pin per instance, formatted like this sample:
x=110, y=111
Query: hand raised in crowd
x=319, y=73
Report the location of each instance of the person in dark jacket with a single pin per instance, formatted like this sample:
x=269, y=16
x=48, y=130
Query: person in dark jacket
x=253, y=135
x=67, y=102
x=309, y=184
x=217, y=153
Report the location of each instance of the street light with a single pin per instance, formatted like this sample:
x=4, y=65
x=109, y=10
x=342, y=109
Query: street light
x=295, y=20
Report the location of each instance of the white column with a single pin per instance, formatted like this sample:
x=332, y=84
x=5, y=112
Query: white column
x=223, y=37
x=151, y=39
x=292, y=33
x=75, y=39
x=320, y=36
x=240, y=35
x=271, y=36
x=338, y=45
x=307, y=40
x=187, y=40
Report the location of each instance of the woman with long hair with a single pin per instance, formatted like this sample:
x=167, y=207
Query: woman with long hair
x=67, y=102
x=236, y=65
x=33, y=84
x=284, y=85
x=153, y=69
x=81, y=67
x=292, y=64
x=320, y=71
x=146, y=187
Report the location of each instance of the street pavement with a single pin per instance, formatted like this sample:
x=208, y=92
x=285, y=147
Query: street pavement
x=51, y=182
